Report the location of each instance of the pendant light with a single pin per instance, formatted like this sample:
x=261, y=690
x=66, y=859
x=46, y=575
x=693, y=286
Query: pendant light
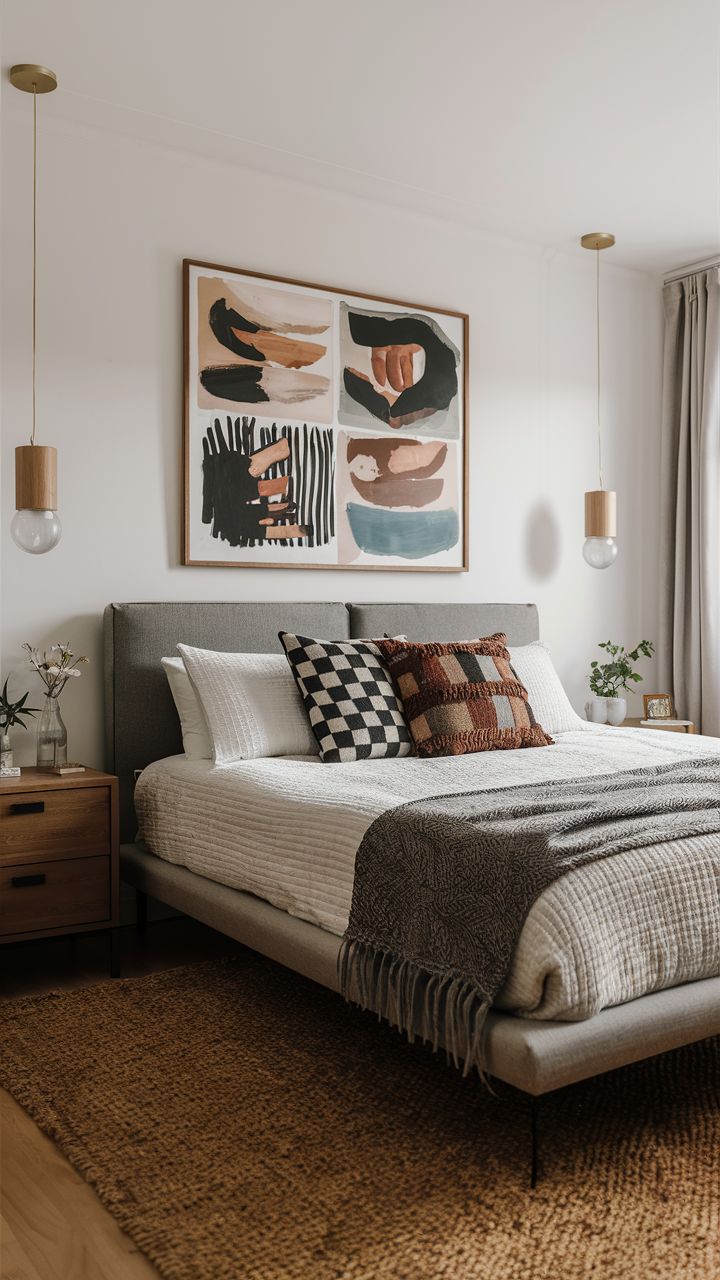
x=35, y=526
x=600, y=549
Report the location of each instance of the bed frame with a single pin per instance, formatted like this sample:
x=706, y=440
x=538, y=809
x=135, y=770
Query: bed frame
x=142, y=726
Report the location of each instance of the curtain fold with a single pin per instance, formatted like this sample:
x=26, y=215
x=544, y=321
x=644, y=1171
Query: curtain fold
x=689, y=637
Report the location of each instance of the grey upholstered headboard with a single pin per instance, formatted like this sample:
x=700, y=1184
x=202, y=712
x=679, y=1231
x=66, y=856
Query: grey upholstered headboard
x=141, y=724
x=445, y=622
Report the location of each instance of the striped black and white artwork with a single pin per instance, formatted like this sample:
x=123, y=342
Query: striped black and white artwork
x=268, y=484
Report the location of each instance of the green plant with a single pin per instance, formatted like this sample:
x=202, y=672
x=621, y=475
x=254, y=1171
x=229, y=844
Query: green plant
x=607, y=677
x=11, y=713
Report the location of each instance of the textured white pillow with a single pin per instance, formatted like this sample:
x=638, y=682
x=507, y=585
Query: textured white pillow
x=549, y=701
x=195, y=735
x=251, y=704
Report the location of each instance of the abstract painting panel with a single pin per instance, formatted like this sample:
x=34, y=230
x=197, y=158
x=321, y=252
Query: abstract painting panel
x=266, y=484
x=396, y=497
x=263, y=347
x=322, y=429
x=399, y=369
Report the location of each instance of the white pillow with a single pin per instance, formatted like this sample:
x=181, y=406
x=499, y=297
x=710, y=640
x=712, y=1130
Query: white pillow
x=549, y=701
x=251, y=704
x=195, y=734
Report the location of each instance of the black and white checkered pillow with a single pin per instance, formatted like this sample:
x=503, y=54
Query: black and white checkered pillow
x=349, y=698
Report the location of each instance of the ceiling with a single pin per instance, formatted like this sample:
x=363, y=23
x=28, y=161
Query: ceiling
x=535, y=120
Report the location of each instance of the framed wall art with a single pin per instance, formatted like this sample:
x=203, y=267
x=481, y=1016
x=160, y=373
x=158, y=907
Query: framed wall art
x=658, y=706
x=323, y=428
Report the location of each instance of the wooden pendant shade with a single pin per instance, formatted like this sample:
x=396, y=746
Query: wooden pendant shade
x=601, y=513
x=36, y=477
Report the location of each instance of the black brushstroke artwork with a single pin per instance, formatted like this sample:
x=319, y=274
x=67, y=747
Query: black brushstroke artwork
x=270, y=365
x=223, y=319
x=434, y=390
x=235, y=382
x=268, y=485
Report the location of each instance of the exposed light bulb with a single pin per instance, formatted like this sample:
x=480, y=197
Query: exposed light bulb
x=35, y=531
x=600, y=553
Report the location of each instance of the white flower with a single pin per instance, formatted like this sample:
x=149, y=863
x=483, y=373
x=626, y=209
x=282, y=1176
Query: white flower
x=54, y=671
x=72, y=672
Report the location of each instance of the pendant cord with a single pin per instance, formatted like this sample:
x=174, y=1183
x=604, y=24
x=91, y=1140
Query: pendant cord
x=597, y=324
x=34, y=255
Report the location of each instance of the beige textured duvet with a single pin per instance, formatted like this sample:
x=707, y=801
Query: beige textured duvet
x=288, y=830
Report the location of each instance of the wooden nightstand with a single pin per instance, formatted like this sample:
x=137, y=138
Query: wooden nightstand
x=59, y=856
x=634, y=722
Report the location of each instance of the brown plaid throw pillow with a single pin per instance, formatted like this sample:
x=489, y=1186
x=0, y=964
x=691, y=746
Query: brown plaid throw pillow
x=459, y=698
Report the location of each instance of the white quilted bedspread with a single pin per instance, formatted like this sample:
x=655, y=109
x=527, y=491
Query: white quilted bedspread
x=287, y=829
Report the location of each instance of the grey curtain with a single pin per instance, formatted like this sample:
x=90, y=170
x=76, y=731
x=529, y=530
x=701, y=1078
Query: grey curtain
x=689, y=638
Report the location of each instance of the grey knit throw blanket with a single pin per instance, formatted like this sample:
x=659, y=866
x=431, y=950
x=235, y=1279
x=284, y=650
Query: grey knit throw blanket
x=443, y=886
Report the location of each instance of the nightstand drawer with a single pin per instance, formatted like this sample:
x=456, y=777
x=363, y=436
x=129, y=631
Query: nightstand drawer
x=53, y=895
x=55, y=823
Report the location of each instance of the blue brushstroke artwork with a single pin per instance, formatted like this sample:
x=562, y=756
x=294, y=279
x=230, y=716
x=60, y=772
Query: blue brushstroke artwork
x=409, y=534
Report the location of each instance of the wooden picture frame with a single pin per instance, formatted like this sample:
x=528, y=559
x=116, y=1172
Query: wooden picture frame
x=658, y=706
x=323, y=428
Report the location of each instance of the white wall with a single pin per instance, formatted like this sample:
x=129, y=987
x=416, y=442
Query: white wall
x=117, y=216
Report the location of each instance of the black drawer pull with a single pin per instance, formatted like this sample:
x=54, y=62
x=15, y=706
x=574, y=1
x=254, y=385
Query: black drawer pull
x=24, y=882
x=30, y=806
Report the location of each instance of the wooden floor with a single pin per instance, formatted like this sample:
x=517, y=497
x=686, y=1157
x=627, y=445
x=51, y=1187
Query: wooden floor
x=52, y=1225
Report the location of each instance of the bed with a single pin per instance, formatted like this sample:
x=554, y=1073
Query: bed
x=566, y=1033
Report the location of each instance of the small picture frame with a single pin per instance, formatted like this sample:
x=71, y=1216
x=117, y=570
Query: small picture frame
x=658, y=706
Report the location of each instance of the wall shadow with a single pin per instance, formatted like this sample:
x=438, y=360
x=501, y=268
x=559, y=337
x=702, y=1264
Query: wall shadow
x=542, y=541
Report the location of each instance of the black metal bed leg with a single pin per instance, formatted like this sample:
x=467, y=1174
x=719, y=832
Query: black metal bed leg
x=141, y=910
x=533, y=1141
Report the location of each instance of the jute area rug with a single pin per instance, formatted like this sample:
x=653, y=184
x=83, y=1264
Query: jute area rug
x=243, y=1124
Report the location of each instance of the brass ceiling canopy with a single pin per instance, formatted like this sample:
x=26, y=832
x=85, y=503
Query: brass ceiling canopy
x=597, y=240
x=32, y=78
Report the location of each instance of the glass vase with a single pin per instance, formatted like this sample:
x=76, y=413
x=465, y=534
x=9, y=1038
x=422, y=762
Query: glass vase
x=6, y=755
x=51, y=735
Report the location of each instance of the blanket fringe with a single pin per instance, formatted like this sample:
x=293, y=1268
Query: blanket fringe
x=441, y=1009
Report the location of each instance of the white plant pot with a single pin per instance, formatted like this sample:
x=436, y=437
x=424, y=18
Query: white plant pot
x=616, y=710
x=596, y=709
